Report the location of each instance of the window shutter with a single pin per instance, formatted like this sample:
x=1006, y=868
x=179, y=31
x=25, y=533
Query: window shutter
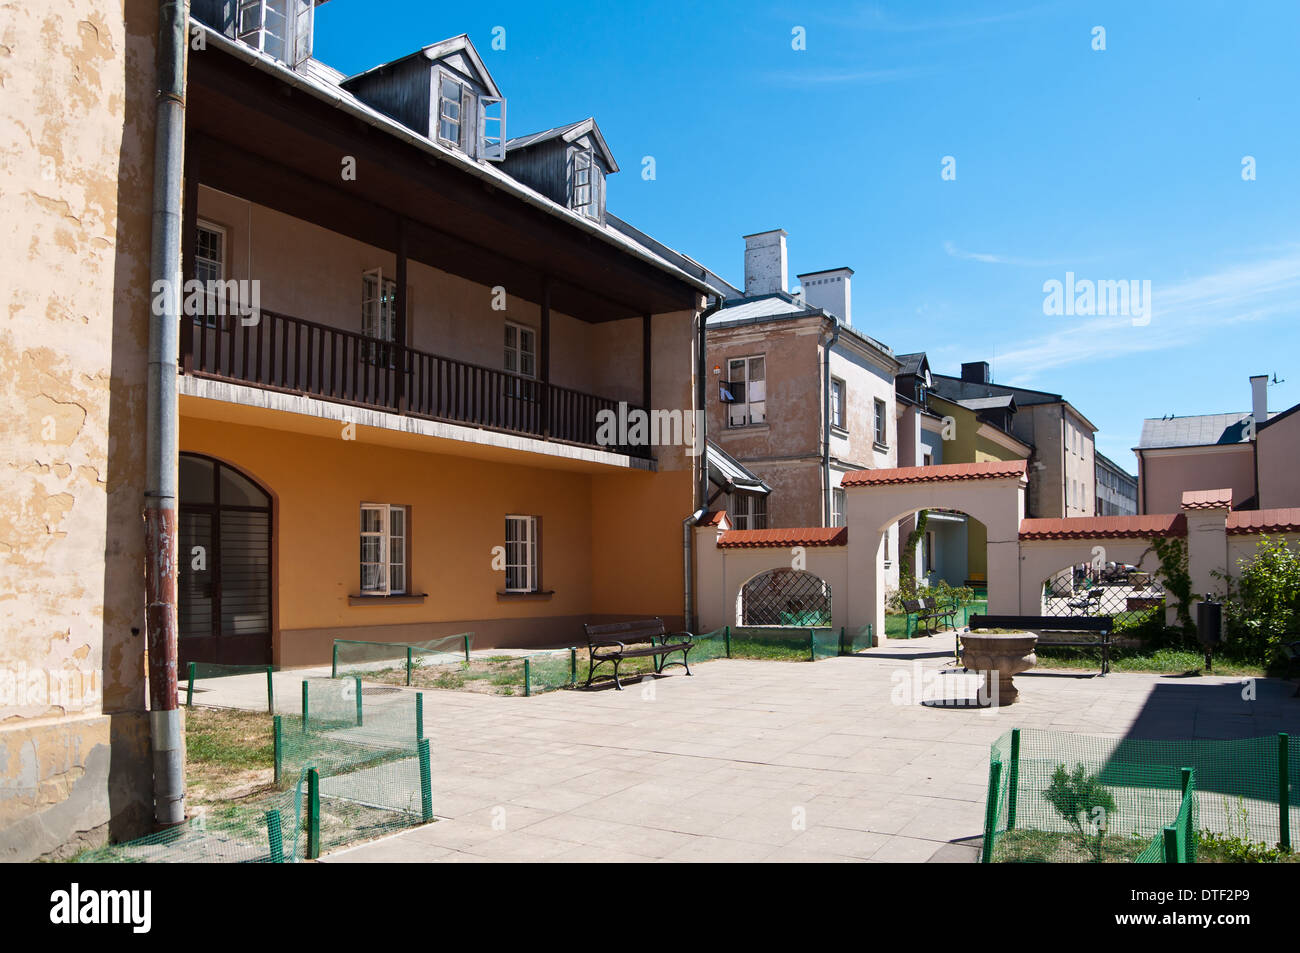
x=492, y=128
x=466, y=114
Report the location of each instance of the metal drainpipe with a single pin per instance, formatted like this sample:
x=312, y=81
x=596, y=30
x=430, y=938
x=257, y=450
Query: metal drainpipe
x=162, y=441
x=702, y=441
x=826, y=421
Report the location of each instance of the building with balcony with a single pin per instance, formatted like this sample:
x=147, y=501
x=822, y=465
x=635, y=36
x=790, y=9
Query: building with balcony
x=429, y=422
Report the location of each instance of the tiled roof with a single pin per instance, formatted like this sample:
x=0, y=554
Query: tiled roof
x=1102, y=527
x=772, y=538
x=1207, y=499
x=944, y=472
x=1264, y=521
x=713, y=518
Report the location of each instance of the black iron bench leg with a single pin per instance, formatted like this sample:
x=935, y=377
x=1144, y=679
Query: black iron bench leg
x=617, y=684
x=591, y=669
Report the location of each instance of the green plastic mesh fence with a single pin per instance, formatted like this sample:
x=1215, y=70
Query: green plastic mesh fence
x=397, y=661
x=856, y=638
x=1242, y=790
x=781, y=643
x=549, y=671
x=349, y=767
x=249, y=687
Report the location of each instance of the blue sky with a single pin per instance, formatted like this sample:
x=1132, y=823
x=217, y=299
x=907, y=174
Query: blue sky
x=1122, y=164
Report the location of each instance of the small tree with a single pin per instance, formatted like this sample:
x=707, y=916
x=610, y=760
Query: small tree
x=1263, y=602
x=1084, y=803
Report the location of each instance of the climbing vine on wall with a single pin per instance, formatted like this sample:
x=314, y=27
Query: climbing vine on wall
x=1172, y=553
x=907, y=558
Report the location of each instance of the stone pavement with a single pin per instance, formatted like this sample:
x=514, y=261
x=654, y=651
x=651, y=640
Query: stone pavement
x=770, y=761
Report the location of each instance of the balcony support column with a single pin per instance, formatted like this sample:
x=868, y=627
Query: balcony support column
x=400, y=334
x=544, y=359
x=645, y=362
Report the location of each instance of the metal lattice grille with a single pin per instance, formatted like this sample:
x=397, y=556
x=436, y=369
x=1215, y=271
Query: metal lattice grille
x=787, y=597
x=1121, y=592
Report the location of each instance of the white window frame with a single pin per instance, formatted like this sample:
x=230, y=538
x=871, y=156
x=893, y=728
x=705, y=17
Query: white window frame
x=838, y=517
x=881, y=428
x=750, y=407
x=379, y=312
x=491, y=147
x=203, y=225
x=927, y=458
x=748, y=511
x=582, y=198
x=256, y=35
x=389, y=532
x=527, y=538
x=443, y=116
x=839, y=403
x=513, y=360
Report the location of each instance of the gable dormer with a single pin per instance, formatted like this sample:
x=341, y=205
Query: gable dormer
x=568, y=164
x=443, y=92
x=281, y=29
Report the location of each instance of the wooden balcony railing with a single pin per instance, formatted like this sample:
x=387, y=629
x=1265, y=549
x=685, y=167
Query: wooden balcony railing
x=281, y=352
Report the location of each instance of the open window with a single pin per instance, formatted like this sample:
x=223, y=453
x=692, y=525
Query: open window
x=451, y=111
x=279, y=28
x=747, y=380
x=379, y=315
x=492, y=128
x=582, y=197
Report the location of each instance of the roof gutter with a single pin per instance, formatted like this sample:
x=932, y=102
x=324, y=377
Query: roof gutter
x=398, y=131
x=702, y=461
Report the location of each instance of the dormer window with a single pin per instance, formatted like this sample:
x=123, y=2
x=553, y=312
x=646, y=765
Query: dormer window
x=279, y=28
x=450, y=106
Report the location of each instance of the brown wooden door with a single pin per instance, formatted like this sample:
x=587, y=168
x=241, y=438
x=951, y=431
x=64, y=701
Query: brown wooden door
x=224, y=549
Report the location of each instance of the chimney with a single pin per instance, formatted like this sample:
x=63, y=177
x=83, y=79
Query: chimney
x=831, y=291
x=975, y=372
x=765, y=264
x=1259, y=398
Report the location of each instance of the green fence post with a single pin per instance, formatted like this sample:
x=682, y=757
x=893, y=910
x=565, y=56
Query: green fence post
x=871, y=635
x=842, y=652
x=1171, y=844
x=466, y=646
x=334, y=665
x=528, y=679
x=991, y=811
x=189, y=692
x=304, y=705
x=274, y=838
x=270, y=690
x=1189, y=833
x=408, y=666
x=426, y=783
x=313, y=813
x=358, y=689
x=1013, y=778
x=812, y=645
x=1283, y=790
x=419, y=715
x=277, y=732
x=573, y=667
x=726, y=639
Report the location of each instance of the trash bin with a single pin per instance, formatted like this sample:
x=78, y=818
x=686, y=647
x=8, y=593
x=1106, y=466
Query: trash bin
x=1209, y=623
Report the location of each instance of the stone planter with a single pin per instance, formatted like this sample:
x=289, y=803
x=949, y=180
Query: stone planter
x=997, y=657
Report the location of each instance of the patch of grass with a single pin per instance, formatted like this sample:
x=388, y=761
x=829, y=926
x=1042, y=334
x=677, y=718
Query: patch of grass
x=1053, y=847
x=1140, y=659
x=220, y=739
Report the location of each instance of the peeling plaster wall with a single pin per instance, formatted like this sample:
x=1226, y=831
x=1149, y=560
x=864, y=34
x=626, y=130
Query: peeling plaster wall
x=76, y=167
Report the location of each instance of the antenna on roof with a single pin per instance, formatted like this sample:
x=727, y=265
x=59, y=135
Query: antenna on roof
x=1276, y=381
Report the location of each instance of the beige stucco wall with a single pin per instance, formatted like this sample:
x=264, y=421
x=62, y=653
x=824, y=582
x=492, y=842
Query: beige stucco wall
x=76, y=166
x=1164, y=475
x=1277, y=448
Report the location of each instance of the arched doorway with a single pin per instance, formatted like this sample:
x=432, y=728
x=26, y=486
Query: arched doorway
x=785, y=597
x=224, y=552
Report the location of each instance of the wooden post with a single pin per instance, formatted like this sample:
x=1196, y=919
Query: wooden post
x=400, y=333
x=544, y=359
x=645, y=362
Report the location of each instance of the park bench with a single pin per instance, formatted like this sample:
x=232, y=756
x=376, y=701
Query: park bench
x=929, y=612
x=645, y=638
x=1102, y=625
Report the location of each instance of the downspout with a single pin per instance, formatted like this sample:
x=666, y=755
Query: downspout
x=702, y=457
x=827, y=489
x=162, y=440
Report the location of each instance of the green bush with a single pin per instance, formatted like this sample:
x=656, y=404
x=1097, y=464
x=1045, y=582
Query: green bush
x=1263, y=601
x=1083, y=802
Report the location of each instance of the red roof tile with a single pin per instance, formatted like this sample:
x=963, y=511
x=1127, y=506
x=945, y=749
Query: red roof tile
x=1104, y=527
x=942, y=473
x=1264, y=521
x=1207, y=499
x=713, y=518
x=772, y=538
